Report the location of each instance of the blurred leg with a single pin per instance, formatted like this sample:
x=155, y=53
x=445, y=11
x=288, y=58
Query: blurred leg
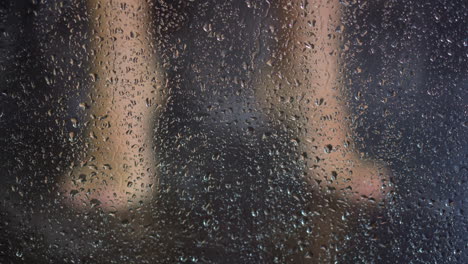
x=339, y=166
x=117, y=170
x=306, y=67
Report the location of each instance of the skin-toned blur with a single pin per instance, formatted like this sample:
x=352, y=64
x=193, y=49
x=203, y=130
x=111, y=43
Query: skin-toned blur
x=118, y=163
x=313, y=62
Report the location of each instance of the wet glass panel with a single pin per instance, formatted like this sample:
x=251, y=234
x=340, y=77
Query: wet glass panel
x=170, y=131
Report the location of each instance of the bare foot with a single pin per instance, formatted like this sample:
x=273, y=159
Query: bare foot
x=344, y=174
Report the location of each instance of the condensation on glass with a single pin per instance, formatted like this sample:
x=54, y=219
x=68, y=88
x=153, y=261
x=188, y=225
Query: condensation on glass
x=272, y=131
